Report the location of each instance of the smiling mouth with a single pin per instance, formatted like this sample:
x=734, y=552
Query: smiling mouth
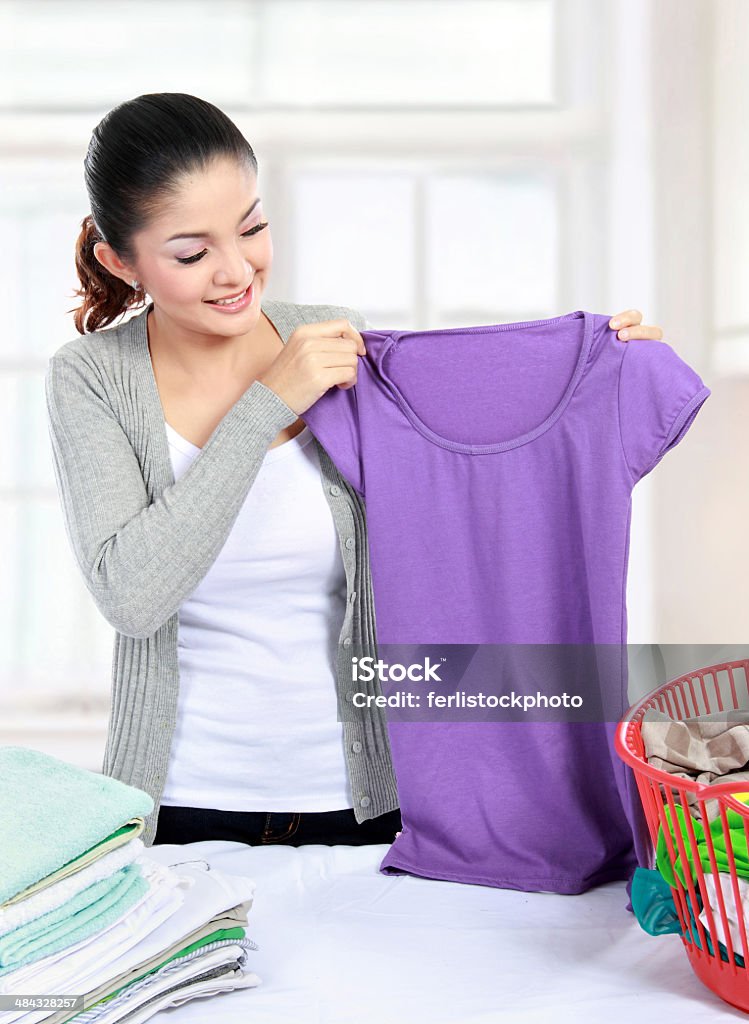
x=227, y=300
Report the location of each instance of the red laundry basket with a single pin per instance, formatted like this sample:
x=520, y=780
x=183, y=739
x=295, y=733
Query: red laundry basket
x=717, y=688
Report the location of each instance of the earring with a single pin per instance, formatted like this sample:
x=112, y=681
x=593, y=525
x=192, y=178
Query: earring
x=134, y=285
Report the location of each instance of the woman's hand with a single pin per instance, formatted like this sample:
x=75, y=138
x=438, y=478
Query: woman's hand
x=628, y=326
x=315, y=357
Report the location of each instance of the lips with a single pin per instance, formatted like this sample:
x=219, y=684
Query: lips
x=222, y=297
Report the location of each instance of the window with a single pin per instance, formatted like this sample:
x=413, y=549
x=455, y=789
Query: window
x=443, y=177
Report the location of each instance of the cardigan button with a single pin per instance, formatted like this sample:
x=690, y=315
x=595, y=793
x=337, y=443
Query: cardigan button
x=365, y=801
x=356, y=747
x=350, y=542
x=352, y=596
x=347, y=641
x=335, y=490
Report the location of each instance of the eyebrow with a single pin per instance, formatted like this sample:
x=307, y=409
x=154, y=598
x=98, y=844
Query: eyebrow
x=207, y=234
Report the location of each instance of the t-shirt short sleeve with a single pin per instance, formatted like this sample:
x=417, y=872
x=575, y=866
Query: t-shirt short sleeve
x=659, y=397
x=334, y=421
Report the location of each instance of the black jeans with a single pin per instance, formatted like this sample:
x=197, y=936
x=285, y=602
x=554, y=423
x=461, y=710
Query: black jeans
x=258, y=828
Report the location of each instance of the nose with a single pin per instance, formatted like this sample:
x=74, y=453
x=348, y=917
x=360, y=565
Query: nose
x=235, y=268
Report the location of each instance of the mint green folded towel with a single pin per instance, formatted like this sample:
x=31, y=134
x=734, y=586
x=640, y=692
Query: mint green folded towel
x=119, y=838
x=51, y=812
x=90, y=911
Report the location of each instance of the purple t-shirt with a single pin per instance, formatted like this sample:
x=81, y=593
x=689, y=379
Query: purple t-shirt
x=497, y=464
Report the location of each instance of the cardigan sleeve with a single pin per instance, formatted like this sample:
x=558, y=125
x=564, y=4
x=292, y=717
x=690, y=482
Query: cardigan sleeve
x=141, y=559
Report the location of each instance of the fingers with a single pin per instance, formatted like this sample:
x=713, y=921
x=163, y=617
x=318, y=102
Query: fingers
x=335, y=329
x=628, y=318
x=352, y=376
x=652, y=333
x=629, y=327
x=349, y=331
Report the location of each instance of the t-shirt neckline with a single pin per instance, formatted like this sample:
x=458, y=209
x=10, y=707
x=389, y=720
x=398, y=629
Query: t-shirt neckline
x=499, y=446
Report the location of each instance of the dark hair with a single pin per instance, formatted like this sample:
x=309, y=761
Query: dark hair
x=137, y=154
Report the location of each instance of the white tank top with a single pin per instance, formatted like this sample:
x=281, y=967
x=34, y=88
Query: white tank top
x=256, y=718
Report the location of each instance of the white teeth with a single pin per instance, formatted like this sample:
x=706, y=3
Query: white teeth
x=230, y=302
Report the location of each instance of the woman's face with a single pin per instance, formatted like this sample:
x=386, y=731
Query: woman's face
x=225, y=248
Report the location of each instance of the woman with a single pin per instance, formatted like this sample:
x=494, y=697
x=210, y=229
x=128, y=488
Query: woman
x=192, y=498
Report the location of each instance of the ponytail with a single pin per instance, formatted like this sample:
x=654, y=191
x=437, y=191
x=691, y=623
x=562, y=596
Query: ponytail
x=105, y=297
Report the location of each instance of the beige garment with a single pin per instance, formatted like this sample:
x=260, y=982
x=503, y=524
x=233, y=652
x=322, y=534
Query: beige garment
x=709, y=749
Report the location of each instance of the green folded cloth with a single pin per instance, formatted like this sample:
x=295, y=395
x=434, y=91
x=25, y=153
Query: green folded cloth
x=737, y=839
x=52, y=813
x=222, y=933
x=89, y=911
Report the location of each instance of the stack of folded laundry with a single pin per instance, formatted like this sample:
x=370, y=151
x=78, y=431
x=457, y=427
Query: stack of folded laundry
x=86, y=911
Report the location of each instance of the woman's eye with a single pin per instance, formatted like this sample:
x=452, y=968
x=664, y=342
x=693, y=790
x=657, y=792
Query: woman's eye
x=190, y=259
x=256, y=228
x=199, y=255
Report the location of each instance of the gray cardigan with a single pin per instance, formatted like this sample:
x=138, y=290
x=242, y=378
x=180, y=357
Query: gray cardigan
x=143, y=542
